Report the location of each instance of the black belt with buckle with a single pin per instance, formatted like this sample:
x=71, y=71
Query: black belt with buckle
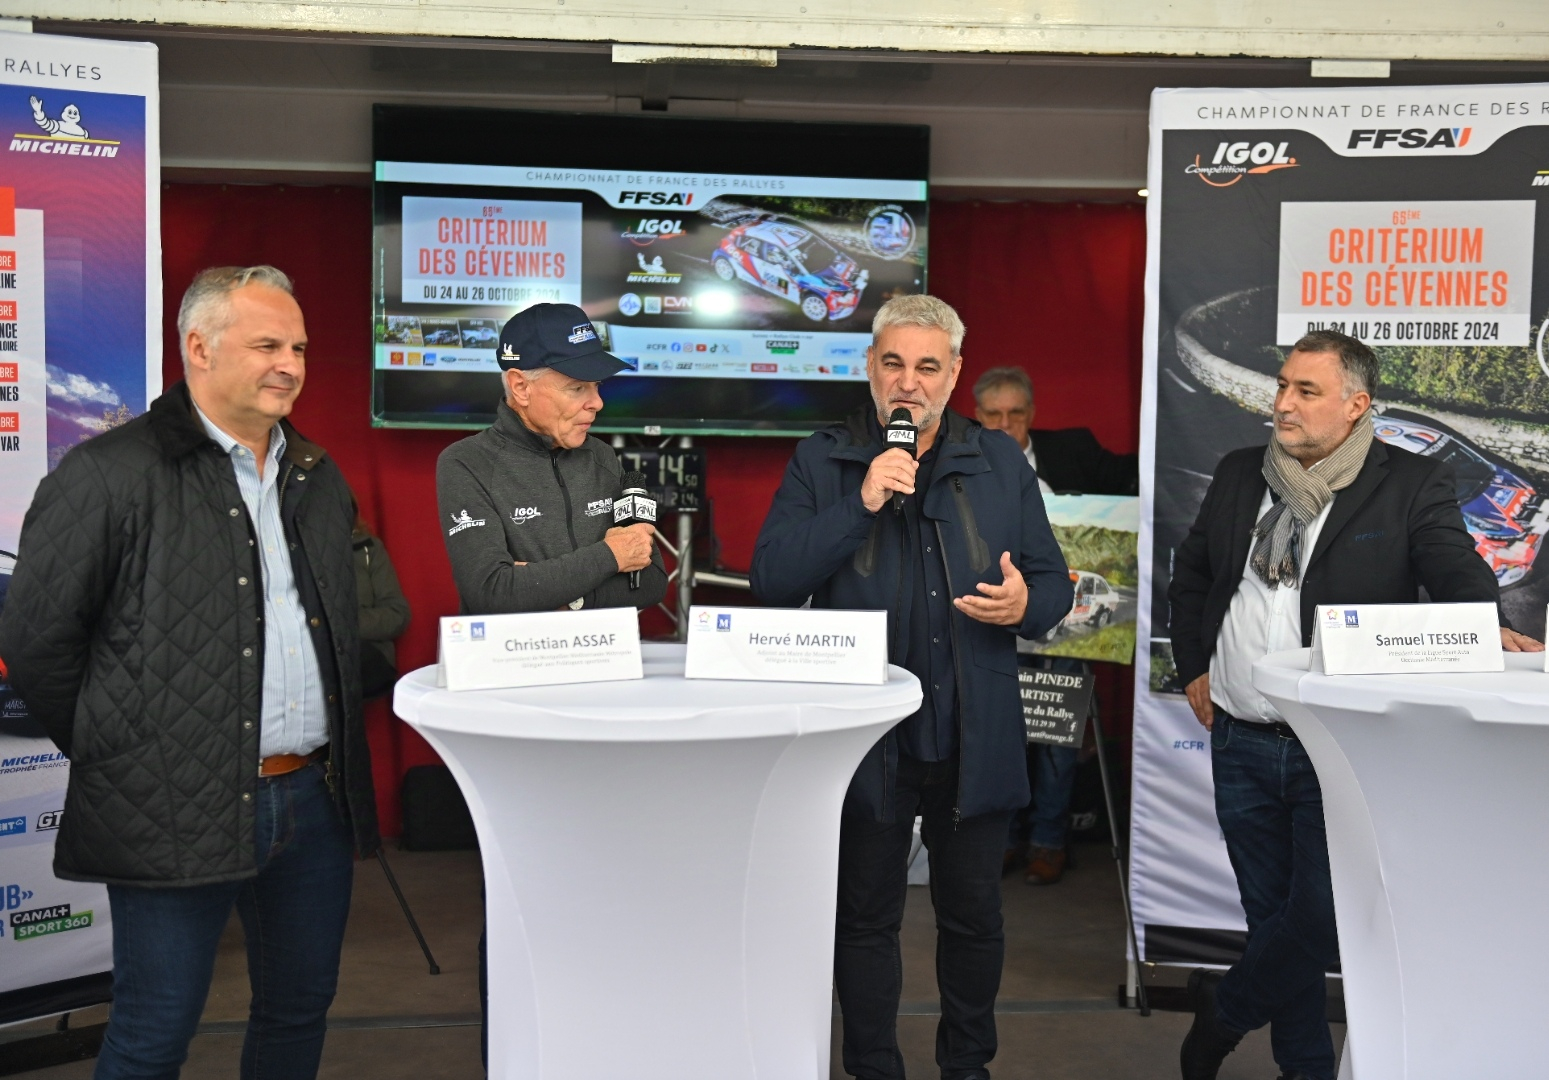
x=1279, y=727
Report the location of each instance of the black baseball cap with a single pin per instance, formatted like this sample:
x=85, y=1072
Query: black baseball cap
x=557, y=336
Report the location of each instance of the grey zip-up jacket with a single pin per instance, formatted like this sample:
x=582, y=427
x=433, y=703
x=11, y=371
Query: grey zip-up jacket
x=506, y=497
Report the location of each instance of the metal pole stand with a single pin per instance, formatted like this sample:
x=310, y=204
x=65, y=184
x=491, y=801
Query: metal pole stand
x=1117, y=846
x=381, y=857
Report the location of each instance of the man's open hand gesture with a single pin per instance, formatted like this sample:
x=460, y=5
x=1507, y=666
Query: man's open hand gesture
x=1001, y=605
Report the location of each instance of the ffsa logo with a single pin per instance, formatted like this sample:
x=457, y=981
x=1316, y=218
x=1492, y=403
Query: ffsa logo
x=656, y=198
x=1234, y=160
x=1408, y=138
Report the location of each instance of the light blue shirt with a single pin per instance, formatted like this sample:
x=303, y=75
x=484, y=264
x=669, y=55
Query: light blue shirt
x=294, y=717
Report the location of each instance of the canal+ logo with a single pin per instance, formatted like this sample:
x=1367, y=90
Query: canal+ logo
x=1408, y=138
x=1234, y=160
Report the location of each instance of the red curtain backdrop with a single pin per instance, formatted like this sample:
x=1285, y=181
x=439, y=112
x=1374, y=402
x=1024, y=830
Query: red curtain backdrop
x=1056, y=288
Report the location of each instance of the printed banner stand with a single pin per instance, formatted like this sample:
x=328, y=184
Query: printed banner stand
x=1406, y=217
x=80, y=352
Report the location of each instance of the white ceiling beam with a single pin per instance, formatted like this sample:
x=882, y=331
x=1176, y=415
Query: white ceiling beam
x=1326, y=29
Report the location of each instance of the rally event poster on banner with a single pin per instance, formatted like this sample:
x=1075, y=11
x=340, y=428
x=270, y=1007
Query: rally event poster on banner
x=1404, y=216
x=1097, y=534
x=80, y=352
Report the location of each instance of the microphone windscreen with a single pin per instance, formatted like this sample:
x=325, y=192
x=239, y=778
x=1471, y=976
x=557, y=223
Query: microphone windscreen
x=634, y=481
x=900, y=416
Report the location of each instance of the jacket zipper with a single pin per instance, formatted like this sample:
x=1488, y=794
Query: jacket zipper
x=957, y=668
x=559, y=478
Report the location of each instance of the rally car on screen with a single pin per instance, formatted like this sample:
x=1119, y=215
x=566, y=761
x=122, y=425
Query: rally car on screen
x=1506, y=514
x=1094, y=606
x=792, y=263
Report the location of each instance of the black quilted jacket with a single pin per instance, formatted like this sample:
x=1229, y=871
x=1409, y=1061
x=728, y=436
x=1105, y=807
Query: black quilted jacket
x=132, y=630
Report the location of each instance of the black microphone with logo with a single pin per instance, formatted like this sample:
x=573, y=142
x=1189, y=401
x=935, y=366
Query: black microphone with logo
x=901, y=433
x=634, y=506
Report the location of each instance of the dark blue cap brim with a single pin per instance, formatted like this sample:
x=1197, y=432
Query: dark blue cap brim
x=593, y=367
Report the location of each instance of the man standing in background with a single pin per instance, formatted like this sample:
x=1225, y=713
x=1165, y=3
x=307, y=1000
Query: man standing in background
x=1070, y=461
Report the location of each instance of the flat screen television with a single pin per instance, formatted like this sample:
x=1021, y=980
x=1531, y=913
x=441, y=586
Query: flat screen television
x=734, y=265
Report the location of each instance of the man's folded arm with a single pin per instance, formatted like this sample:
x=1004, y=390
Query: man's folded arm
x=65, y=566
x=615, y=590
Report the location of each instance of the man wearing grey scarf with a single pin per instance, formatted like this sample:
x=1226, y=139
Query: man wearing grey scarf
x=1325, y=514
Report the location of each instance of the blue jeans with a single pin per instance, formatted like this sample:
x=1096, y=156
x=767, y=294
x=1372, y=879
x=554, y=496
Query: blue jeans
x=293, y=915
x=965, y=859
x=1270, y=808
x=1054, y=778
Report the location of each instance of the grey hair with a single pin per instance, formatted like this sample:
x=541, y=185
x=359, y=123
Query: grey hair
x=206, y=305
x=1358, y=365
x=997, y=377
x=918, y=309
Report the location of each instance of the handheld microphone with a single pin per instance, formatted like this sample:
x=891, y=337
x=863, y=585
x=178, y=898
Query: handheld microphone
x=634, y=506
x=901, y=433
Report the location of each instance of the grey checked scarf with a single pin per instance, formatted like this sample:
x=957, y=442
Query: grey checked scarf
x=1277, y=548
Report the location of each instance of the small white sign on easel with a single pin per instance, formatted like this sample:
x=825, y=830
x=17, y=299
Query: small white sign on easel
x=787, y=645
x=492, y=652
x=1391, y=639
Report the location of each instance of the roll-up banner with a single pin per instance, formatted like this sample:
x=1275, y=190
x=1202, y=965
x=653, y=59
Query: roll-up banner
x=80, y=352
x=1404, y=216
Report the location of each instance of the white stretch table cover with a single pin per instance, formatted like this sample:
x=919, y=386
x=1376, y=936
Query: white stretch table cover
x=1436, y=799
x=660, y=865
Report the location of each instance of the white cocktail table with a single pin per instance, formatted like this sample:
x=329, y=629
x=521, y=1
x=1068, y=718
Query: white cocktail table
x=660, y=865
x=1436, y=800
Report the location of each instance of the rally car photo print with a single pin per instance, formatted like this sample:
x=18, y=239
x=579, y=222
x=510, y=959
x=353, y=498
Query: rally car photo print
x=793, y=263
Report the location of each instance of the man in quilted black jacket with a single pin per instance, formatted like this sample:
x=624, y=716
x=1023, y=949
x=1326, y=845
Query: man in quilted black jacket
x=182, y=621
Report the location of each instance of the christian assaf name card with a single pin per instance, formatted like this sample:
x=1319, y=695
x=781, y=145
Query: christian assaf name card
x=494, y=652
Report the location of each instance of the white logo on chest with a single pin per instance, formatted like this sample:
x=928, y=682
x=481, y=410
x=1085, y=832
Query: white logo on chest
x=599, y=507
x=523, y=514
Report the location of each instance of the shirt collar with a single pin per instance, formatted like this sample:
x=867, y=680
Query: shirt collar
x=228, y=444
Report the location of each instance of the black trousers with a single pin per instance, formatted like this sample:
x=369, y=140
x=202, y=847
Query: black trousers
x=965, y=863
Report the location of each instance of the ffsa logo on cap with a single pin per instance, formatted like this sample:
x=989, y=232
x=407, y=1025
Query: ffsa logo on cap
x=582, y=333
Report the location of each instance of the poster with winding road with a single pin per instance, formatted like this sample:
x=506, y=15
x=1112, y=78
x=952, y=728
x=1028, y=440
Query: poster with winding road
x=1408, y=217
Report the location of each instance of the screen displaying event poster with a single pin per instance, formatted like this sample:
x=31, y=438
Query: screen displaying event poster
x=740, y=298
x=80, y=352
x=1097, y=535
x=1408, y=217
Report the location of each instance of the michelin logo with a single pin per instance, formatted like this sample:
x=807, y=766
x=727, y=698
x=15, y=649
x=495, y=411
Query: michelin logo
x=64, y=135
x=68, y=126
x=462, y=521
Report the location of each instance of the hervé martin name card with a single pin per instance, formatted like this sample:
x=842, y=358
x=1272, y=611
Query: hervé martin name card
x=787, y=645
x=1389, y=639
x=492, y=652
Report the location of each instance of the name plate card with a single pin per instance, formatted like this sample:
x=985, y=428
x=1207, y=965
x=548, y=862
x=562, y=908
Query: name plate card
x=1390, y=639
x=787, y=645
x=493, y=652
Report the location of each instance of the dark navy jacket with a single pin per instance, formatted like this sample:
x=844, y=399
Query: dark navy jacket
x=819, y=540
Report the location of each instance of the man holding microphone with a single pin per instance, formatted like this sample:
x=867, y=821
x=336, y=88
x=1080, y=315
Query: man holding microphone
x=527, y=503
x=953, y=542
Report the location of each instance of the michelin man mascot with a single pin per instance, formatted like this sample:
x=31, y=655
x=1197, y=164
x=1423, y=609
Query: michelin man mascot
x=68, y=126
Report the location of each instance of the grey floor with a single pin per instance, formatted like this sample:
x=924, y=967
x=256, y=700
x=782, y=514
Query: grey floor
x=1059, y=1018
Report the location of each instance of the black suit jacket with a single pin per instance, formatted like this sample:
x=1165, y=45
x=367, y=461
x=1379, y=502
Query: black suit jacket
x=1396, y=528
x=1072, y=459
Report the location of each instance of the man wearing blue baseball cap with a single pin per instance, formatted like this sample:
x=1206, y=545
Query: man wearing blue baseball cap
x=527, y=503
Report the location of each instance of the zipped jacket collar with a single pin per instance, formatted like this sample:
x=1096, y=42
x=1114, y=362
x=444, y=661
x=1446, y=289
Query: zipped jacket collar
x=859, y=438
x=509, y=426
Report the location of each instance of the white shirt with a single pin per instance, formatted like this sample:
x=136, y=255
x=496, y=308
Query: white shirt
x=1032, y=459
x=1259, y=621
